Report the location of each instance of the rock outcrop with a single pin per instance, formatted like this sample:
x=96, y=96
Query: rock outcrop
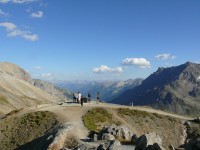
x=52, y=90
x=149, y=141
x=119, y=132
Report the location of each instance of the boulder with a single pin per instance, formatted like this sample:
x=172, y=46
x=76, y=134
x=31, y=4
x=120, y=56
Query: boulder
x=108, y=137
x=155, y=146
x=102, y=146
x=115, y=145
x=119, y=132
x=197, y=120
x=95, y=138
x=134, y=138
x=171, y=147
x=124, y=133
x=187, y=124
x=85, y=146
x=148, y=139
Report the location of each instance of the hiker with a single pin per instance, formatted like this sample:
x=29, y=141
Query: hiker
x=98, y=98
x=89, y=97
x=74, y=98
x=79, y=97
x=82, y=101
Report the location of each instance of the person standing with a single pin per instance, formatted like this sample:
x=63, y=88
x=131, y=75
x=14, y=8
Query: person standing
x=74, y=97
x=89, y=97
x=82, y=101
x=79, y=97
x=98, y=97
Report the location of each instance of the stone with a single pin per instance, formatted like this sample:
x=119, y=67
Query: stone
x=119, y=132
x=115, y=145
x=171, y=147
x=124, y=133
x=187, y=123
x=95, y=138
x=134, y=138
x=101, y=147
x=148, y=139
x=108, y=137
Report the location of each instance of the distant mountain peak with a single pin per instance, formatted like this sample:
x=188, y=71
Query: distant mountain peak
x=174, y=88
x=16, y=71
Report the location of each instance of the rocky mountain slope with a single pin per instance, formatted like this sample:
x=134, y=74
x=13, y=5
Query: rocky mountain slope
x=176, y=89
x=52, y=90
x=108, y=89
x=17, y=89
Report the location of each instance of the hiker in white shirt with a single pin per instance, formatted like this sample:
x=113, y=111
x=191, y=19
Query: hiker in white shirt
x=79, y=97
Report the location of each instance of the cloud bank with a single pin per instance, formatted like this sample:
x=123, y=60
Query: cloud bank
x=106, y=69
x=165, y=57
x=13, y=31
x=139, y=62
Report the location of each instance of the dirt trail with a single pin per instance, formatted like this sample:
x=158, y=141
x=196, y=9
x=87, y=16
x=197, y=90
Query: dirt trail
x=73, y=113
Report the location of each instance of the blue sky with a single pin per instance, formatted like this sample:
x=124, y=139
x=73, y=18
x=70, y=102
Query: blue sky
x=98, y=39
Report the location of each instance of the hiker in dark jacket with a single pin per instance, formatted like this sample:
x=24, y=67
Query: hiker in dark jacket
x=98, y=97
x=82, y=101
x=89, y=97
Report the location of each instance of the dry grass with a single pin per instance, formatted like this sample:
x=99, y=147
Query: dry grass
x=168, y=128
x=71, y=141
x=17, y=131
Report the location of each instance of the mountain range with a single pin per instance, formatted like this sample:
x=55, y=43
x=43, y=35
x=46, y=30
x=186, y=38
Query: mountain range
x=19, y=90
x=108, y=89
x=176, y=89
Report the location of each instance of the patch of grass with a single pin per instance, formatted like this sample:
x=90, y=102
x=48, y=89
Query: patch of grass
x=168, y=128
x=96, y=117
x=130, y=112
x=20, y=130
x=3, y=100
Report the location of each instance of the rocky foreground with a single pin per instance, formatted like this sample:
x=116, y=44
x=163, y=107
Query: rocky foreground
x=60, y=127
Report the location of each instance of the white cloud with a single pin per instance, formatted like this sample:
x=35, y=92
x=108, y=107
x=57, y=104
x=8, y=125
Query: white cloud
x=105, y=69
x=13, y=31
x=23, y=1
x=37, y=68
x=46, y=75
x=139, y=62
x=2, y=13
x=17, y=1
x=8, y=25
x=38, y=14
x=165, y=56
x=4, y=1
